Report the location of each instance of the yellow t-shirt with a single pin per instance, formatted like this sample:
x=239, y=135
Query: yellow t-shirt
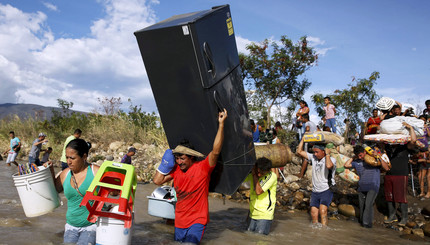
x=263, y=206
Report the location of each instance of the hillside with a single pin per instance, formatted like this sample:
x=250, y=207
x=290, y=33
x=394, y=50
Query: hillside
x=27, y=110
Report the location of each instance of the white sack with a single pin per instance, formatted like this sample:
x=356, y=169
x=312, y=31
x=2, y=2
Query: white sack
x=394, y=126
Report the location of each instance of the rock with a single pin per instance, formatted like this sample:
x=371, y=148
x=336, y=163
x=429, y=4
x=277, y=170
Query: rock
x=109, y=158
x=419, y=232
x=348, y=210
x=294, y=186
x=116, y=145
x=411, y=224
x=138, y=146
x=290, y=178
x=298, y=196
x=407, y=231
x=426, y=229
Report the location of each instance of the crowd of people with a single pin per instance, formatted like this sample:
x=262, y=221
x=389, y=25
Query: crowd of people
x=190, y=172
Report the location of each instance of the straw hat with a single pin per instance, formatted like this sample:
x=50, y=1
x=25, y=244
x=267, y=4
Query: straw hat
x=385, y=103
x=187, y=151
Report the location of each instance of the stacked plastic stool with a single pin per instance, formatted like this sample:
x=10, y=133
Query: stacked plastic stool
x=114, y=183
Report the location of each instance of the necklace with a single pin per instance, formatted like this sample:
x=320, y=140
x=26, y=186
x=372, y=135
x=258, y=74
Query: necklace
x=75, y=183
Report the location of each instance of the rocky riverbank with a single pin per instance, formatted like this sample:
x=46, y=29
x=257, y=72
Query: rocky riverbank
x=293, y=194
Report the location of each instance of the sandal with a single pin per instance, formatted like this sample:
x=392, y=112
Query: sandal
x=421, y=195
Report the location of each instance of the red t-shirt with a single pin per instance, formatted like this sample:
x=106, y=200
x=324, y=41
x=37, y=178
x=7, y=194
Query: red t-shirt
x=192, y=189
x=372, y=125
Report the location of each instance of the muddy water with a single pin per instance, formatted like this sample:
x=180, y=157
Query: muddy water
x=226, y=226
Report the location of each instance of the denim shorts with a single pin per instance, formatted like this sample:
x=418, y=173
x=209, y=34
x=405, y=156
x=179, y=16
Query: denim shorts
x=318, y=198
x=261, y=226
x=80, y=235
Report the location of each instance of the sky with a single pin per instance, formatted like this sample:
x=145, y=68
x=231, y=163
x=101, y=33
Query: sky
x=82, y=50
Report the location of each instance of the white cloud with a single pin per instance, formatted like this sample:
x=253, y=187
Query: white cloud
x=37, y=68
x=316, y=43
x=241, y=44
x=50, y=6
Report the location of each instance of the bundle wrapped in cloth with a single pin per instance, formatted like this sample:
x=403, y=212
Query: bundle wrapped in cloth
x=395, y=126
x=323, y=137
x=341, y=159
x=392, y=131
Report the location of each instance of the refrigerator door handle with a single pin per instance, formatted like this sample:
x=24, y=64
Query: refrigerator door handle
x=217, y=102
x=209, y=59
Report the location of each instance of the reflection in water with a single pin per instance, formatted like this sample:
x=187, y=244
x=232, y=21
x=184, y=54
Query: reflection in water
x=227, y=225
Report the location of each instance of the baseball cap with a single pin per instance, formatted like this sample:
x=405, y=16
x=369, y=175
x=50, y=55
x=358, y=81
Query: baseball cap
x=42, y=134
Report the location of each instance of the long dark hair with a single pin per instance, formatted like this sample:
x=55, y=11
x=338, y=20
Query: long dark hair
x=303, y=102
x=80, y=146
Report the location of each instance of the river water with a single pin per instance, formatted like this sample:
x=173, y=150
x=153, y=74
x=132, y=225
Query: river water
x=227, y=224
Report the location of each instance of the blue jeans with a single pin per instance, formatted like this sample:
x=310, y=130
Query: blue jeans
x=261, y=226
x=192, y=234
x=331, y=123
x=35, y=161
x=80, y=235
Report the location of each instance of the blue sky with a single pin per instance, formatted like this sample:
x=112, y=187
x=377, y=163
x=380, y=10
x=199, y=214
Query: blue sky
x=82, y=50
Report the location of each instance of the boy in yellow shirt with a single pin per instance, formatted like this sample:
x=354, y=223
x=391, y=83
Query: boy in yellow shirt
x=262, y=195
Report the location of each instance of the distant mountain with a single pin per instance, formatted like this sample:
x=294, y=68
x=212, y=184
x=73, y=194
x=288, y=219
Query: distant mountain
x=24, y=111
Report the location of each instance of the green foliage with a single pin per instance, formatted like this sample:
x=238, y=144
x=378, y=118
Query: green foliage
x=354, y=102
x=273, y=72
x=136, y=126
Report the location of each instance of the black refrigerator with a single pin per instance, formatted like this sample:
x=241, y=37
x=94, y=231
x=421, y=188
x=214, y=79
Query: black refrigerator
x=193, y=67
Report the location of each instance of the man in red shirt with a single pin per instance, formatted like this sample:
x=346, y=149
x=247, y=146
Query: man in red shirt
x=191, y=183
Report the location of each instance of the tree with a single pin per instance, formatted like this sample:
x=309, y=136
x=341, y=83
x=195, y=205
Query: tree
x=354, y=103
x=64, y=105
x=273, y=72
x=109, y=106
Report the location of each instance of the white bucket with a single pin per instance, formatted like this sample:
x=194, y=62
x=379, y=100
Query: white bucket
x=111, y=231
x=37, y=192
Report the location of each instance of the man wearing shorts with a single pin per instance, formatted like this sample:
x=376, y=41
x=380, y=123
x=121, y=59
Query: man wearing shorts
x=396, y=180
x=321, y=196
x=15, y=146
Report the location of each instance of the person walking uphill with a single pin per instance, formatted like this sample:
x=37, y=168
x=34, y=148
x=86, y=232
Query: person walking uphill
x=368, y=185
x=191, y=182
x=74, y=181
x=262, y=196
x=323, y=167
x=76, y=135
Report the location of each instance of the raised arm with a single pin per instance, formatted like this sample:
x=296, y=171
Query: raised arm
x=300, y=150
x=348, y=163
x=328, y=163
x=411, y=144
x=219, y=139
x=166, y=166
